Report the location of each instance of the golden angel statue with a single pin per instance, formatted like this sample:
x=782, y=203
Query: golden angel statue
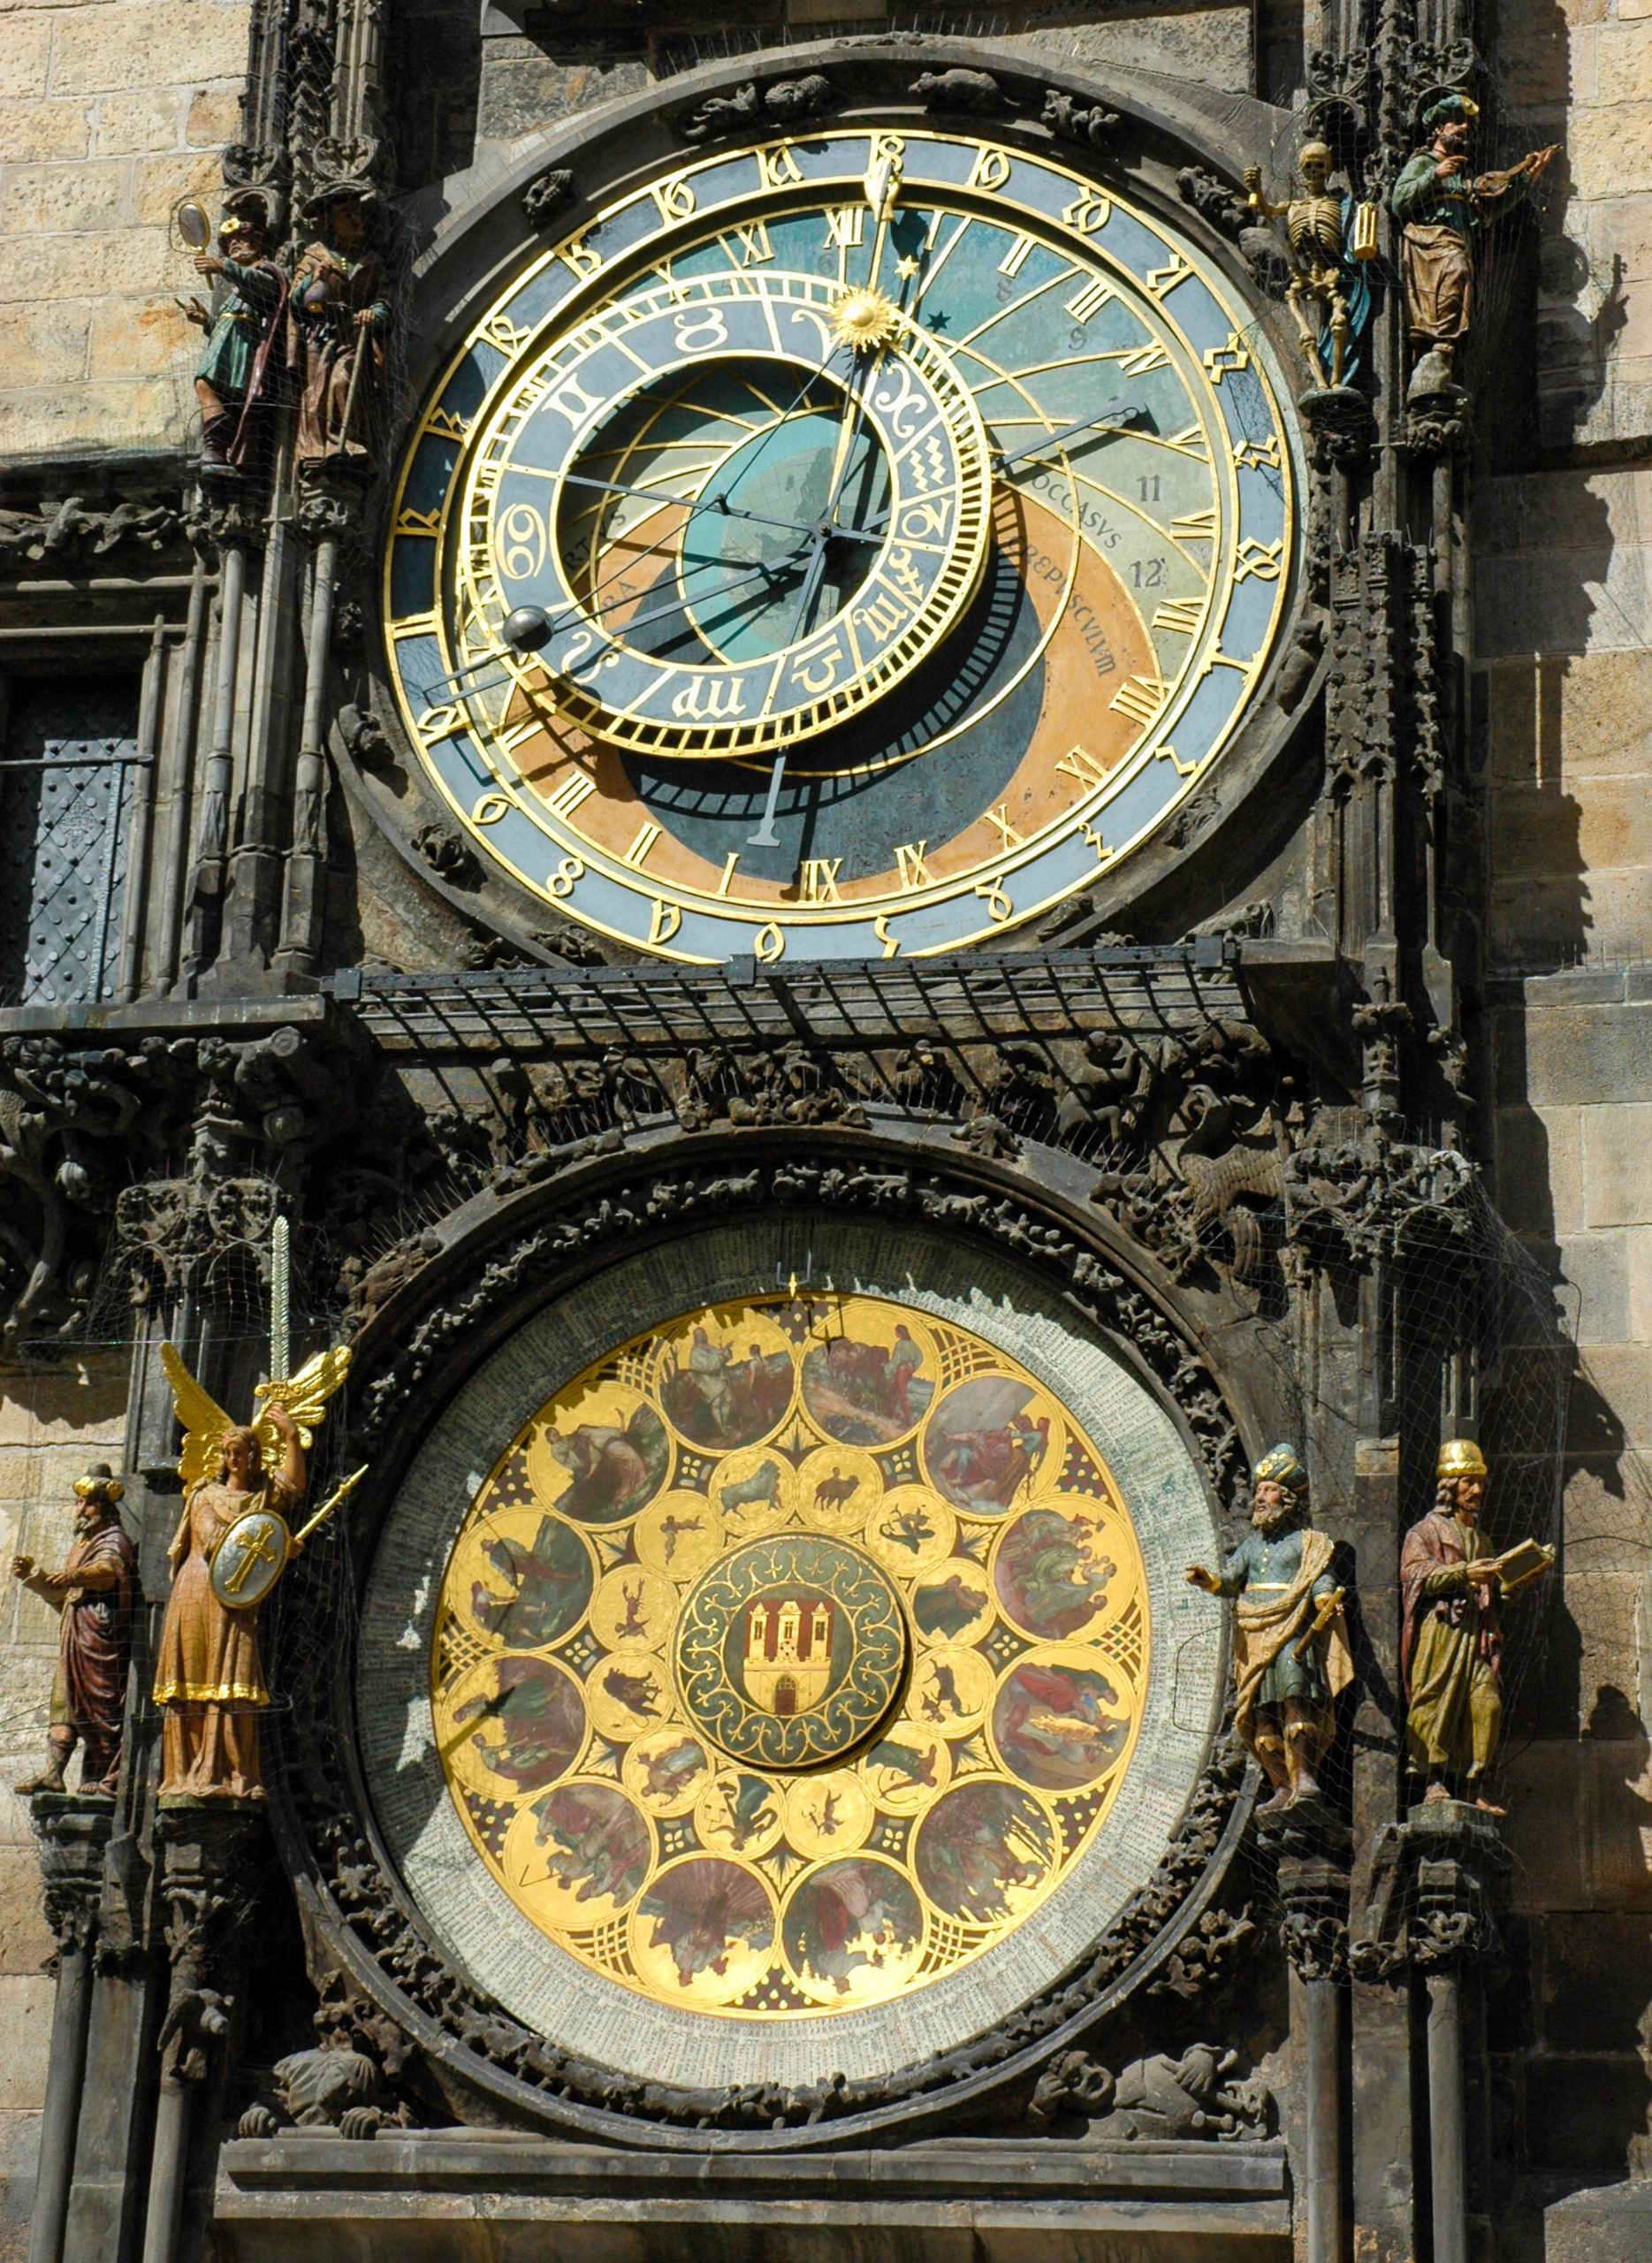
x=241, y=1483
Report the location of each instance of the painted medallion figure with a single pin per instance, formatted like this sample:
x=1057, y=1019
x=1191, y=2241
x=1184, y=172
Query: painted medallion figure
x=1451, y=1632
x=208, y=1675
x=1328, y=293
x=1289, y=1652
x=1438, y=210
x=93, y=1593
x=335, y=338
x=233, y=378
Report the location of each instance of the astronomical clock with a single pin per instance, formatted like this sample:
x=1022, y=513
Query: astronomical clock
x=844, y=547
x=801, y=1674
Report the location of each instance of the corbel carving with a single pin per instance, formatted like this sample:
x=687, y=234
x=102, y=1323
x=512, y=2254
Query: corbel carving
x=780, y=107
x=546, y=196
x=1437, y=1883
x=61, y=536
x=72, y=1833
x=209, y=1886
x=1094, y=125
x=1201, y=2095
x=972, y=94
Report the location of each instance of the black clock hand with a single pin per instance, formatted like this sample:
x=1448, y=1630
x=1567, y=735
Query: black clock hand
x=1122, y=414
x=719, y=504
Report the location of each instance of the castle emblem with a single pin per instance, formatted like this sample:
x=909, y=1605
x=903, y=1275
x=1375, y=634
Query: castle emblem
x=787, y=1652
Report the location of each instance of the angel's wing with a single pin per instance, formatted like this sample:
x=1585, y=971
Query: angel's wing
x=204, y=1422
x=305, y=1397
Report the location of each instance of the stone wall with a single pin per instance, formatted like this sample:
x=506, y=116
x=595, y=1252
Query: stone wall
x=1564, y=568
x=1579, y=73
x=111, y=110
x=53, y=1422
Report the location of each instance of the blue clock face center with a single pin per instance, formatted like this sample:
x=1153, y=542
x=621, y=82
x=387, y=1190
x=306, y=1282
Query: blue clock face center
x=751, y=586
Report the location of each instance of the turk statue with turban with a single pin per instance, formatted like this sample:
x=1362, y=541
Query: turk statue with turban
x=1290, y=1649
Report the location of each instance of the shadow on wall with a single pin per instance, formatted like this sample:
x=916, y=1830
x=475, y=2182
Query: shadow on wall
x=1560, y=361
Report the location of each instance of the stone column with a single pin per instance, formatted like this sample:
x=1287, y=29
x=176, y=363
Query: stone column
x=74, y=1831
x=1312, y=1858
x=208, y=1884
x=330, y=512
x=233, y=524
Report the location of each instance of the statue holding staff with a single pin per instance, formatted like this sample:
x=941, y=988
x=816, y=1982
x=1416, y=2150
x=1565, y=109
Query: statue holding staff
x=1289, y=1652
x=336, y=330
x=93, y=1594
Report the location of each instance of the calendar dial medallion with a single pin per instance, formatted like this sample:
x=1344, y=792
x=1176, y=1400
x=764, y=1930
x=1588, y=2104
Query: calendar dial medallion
x=841, y=548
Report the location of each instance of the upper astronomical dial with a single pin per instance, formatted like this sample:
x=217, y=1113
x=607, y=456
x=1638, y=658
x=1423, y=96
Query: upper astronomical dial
x=907, y=524
x=742, y=524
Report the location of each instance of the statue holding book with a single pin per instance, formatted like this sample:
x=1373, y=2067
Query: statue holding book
x=1451, y=1633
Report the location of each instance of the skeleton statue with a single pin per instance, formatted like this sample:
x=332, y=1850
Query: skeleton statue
x=1325, y=273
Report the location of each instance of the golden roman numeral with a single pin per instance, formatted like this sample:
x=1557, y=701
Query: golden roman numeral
x=418, y=522
x=1089, y=300
x=846, y=224
x=677, y=292
x=647, y=834
x=1181, y=615
x=728, y=872
x=575, y=788
x=517, y=733
x=817, y=879
x=1142, y=699
x=1144, y=358
x=755, y=246
x=1084, y=767
x=414, y=624
x=1016, y=258
x=1250, y=454
x=1000, y=816
x=1195, y=526
x=1190, y=443
x=909, y=864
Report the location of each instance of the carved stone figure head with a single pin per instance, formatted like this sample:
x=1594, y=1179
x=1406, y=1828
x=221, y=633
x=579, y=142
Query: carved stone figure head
x=96, y=1495
x=243, y=1460
x=1461, y=1475
x=1282, y=1491
x=240, y=239
x=1449, y=123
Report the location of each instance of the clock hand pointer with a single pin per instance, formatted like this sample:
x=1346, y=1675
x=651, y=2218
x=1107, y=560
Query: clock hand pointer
x=536, y=626
x=1121, y=414
x=719, y=504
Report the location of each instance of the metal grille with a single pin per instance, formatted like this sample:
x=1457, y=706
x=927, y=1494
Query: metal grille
x=63, y=791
